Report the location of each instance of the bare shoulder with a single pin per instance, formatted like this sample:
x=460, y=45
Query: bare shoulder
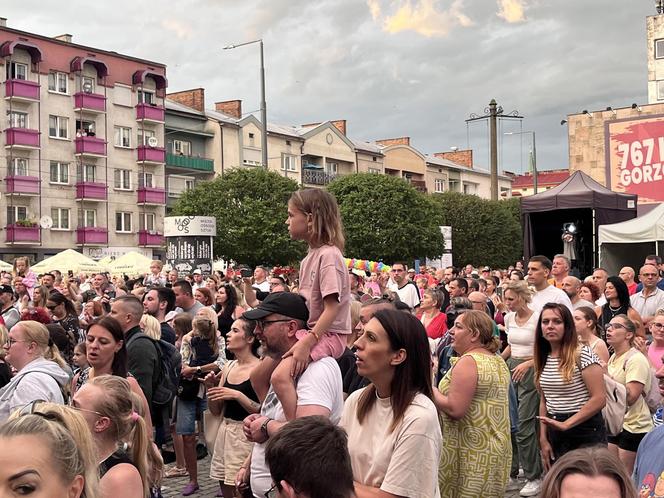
x=122, y=480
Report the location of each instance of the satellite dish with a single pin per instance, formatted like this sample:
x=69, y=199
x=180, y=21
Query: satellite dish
x=46, y=222
x=153, y=142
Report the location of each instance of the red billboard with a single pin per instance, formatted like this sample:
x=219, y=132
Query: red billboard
x=635, y=157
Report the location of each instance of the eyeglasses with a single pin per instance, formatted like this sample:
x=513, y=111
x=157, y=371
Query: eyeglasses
x=656, y=325
x=615, y=326
x=79, y=409
x=272, y=492
x=10, y=342
x=262, y=323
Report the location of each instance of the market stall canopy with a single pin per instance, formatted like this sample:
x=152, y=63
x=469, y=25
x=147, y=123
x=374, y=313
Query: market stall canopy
x=132, y=263
x=4, y=266
x=66, y=261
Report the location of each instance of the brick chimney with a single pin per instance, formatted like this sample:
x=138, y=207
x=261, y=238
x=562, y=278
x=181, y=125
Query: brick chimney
x=191, y=98
x=230, y=108
x=462, y=157
x=394, y=141
x=340, y=124
x=3, y=22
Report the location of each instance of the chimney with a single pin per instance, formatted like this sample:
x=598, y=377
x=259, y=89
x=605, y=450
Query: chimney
x=230, y=108
x=340, y=124
x=191, y=98
x=3, y=22
x=310, y=125
x=462, y=157
x=65, y=38
x=394, y=141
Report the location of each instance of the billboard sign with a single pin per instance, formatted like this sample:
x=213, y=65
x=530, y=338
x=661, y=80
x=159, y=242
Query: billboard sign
x=189, y=243
x=635, y=157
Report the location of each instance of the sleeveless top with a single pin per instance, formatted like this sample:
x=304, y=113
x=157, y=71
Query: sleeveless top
x=83, y=377
x=234, y=410
x=115, y=459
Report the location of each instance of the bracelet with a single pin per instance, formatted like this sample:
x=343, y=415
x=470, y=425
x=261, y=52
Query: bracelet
x=316, y=335
x=264, y=427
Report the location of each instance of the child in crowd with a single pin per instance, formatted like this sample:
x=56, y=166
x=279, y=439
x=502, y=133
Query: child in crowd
x=80, y=358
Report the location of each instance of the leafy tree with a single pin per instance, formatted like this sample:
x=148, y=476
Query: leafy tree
x=385, y=219
x=250, y=206
x=484, y=232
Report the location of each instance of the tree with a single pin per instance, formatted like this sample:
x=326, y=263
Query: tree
x=385, y=219
x=250, y=206
x=484, y=232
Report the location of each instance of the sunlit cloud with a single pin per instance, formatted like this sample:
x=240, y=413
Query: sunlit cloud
x=374, y=8
x=180, y=29
x=512, y=10
x=425, y=17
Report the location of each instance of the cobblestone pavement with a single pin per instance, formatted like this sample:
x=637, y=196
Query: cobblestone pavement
x=172, y=488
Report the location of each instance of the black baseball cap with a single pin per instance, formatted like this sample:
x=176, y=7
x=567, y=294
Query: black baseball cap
x=6, y=289
x=284, y=303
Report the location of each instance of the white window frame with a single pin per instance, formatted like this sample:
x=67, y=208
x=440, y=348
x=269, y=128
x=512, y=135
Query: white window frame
x=125, y=221
x=13, y=66
x=659, y=50
x=122, y=137
x=469, y=188
x=58, y=82
x=16, y=213
x=252, y=140
x=143, y=136
x=17, y=118
x=189, y=184
x=60, y=168
x=122, y=179
x=85, y=222
x=660, y=90
x=374, y=171
x=182, y=147
x=146, y=180
x=141, y=94
x=88, y=79
x=150, y=226
x=61, y=219
x=332, y=168
x=83, y=172
x=288, y=162
x=17, y=164
x=61, y=127
x=439, y=185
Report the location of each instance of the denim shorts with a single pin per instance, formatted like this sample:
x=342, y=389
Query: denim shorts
x=187, y=414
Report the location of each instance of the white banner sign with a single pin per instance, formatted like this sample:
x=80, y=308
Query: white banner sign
x=190, y=226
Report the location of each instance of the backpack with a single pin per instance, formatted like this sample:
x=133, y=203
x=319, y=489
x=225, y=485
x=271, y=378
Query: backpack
x=165, y=386
x=652, y=396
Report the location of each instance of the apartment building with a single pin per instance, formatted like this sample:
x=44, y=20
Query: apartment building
x=83, y=147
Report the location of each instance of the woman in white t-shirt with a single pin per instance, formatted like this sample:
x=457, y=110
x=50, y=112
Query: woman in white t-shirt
x=394, y=436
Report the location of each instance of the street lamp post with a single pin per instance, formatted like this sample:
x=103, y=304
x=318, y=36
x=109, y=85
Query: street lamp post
x=534, y=154
x=263, y=104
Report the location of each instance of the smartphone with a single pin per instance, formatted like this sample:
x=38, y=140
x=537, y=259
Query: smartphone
x=246, y=272
x=499, y=291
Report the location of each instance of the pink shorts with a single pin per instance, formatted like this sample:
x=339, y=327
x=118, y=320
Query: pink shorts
x=330, y=344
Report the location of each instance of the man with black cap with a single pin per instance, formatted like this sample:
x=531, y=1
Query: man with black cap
x=319, y=389
x=7, y=309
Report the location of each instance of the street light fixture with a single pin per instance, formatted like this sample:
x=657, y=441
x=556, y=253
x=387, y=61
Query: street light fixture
x=534, y=154
x=263, y=105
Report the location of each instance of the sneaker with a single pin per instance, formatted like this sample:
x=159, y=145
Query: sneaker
x=513, y=484
x=532, y=488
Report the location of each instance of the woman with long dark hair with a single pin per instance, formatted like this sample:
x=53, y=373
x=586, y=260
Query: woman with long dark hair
x=63, y=313
x=393, y=431
x=227, y=308
x=617, y=303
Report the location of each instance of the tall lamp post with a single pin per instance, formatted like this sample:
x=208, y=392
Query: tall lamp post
x=263, y=105
x=534, y=154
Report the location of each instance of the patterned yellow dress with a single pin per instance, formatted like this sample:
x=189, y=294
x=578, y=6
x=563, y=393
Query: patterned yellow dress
x=477, y=452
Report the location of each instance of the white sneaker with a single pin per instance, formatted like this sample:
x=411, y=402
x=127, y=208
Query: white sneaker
x=532, y=488
x=513, y=484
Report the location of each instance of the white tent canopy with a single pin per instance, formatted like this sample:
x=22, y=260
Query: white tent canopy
x=627, y=243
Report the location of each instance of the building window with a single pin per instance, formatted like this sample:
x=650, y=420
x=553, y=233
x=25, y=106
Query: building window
x=149, y=222
x=469, y=188
x=439, y=185
x=122, y=137
x=87, y=172
x=59, y=173
x=374, y=158
x=179, y=184
x=58, y=127
x=17, y=119
x=660, y=90
x=289, y=163
x=18, y=167
x=85, y=128
x=16, y=213
x=182, y=147
x=88, y=84
x=60, y=218
x=122, y=179
x=659, y=49
x=88, y=218
x=144, y=136
x=453, y=185
x=146, y=180
x=189, y=184
x=57, y=82
x=145, y=97
x=252, y=140
x=123, y=222
x=375, y=171
x=331, y=168
x=17, y=71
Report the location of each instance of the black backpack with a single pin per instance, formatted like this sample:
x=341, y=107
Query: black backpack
x=165, y=386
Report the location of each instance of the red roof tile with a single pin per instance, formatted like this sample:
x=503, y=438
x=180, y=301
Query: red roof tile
x=544, y=179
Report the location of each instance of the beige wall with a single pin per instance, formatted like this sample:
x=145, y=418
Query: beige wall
x=366, y=163
x=654, y=31
x=405, y=159
x=336, y=150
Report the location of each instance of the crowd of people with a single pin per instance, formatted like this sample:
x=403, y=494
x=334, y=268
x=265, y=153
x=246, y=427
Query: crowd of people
x=423, y=383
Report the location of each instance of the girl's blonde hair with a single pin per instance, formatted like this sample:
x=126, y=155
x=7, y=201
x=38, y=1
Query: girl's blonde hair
x=116, y=404
x=521, y=289
x=479, y=322
x=206, y=327
x=25, y=259
x=326, y=227
x=4, y=337
x=151, y=326
x=155, y=461
x=66, y=434
x=38, y=333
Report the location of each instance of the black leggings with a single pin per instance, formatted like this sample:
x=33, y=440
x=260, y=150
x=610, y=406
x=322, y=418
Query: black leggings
x=589, y=433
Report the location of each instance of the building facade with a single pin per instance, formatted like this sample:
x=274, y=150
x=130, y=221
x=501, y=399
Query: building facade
x=524, y=185
x=83, y=148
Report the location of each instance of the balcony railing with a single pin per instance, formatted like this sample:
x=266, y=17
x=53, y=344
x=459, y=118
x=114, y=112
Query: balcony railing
x=17, y=233
x=22, y=138
x=148, y=112
x=189, y=162
x=315, y=177
x=91, y=102
x=151, y=195
x=91, y=191
x=156, y=155
x=146, y=238
x=22, y=185
x=91, y=236
x=420, y=185
x=22, y=90
x=90, y=146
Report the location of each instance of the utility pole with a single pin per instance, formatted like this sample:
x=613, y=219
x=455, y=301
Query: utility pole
x=493, y=139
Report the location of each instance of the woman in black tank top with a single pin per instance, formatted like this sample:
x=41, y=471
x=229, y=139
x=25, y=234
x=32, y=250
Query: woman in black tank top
x=617, y=303
x=231, y=397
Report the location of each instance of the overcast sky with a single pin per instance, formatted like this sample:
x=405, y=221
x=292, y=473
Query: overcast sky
x=392, y=68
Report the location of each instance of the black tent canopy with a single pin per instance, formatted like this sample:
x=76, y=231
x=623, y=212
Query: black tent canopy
x=579, y=200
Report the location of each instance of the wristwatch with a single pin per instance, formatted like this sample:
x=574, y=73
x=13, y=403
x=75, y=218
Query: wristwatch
x=199, y=370
x=264, y=427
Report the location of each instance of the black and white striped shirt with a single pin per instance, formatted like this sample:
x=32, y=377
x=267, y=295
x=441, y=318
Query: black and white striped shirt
x=561, y=396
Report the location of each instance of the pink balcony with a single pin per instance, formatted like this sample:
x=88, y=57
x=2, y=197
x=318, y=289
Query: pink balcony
x=91, y=191
x=151, y=113
x=89, y=102
x=22, y=185
x=151, y=195
x=90, y=146
x=29, y=235
x=22, y=138
x=155, y=155
x=22, y=90
x=146, y=238
x=91, y=236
